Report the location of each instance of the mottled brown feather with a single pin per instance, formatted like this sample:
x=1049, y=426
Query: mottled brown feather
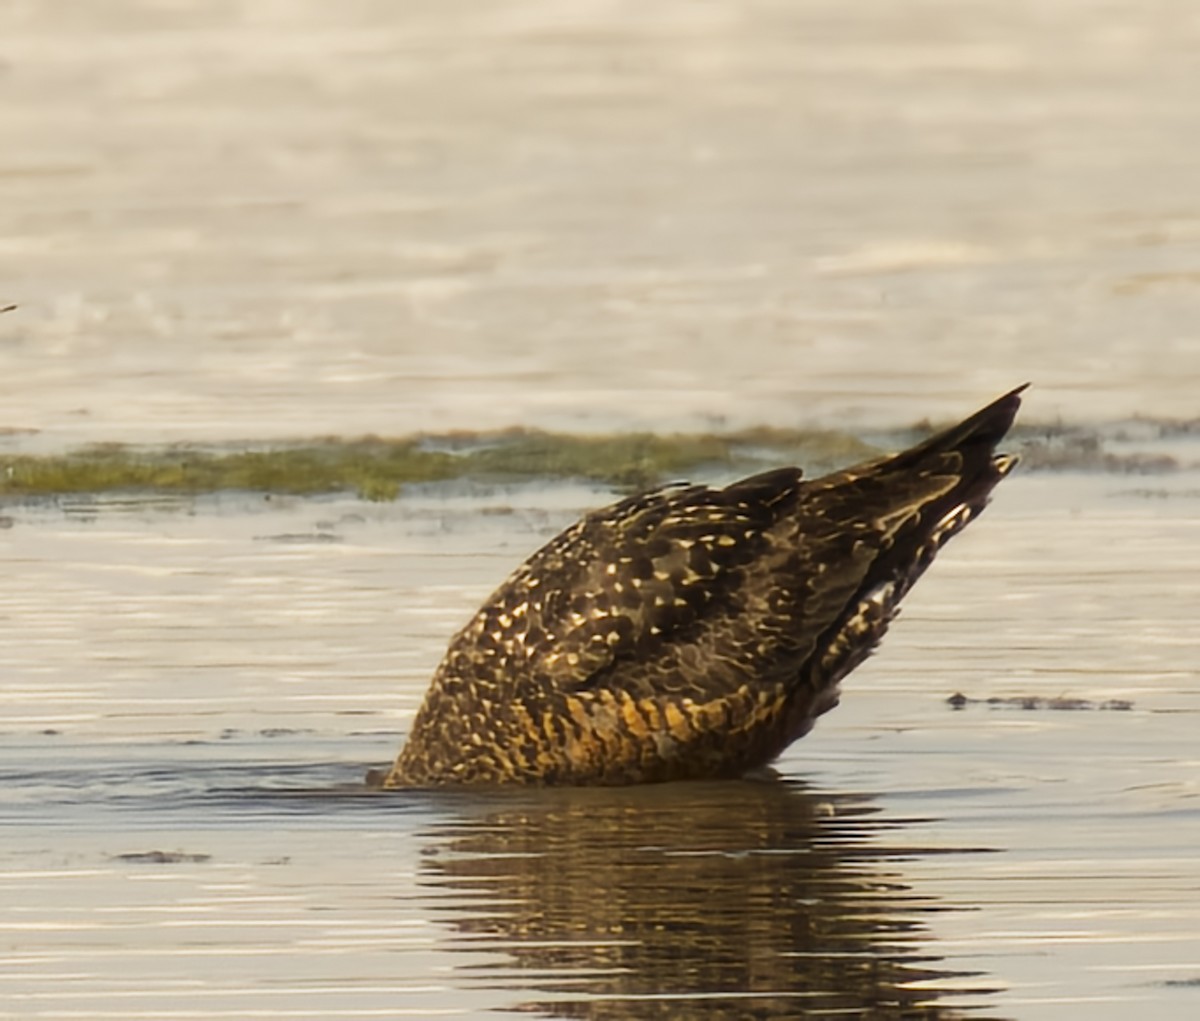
x=695, y=632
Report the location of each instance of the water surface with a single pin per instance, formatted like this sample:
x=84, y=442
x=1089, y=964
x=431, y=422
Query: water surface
x=211, y=681
x=240, y=220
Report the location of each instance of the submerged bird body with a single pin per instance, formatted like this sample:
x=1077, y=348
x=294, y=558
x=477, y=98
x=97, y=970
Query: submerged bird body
x=693, y=632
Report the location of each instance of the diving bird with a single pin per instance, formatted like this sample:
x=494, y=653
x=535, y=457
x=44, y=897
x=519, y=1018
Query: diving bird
x=694, y=632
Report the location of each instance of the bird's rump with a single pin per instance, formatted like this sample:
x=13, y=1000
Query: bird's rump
x=695, y=631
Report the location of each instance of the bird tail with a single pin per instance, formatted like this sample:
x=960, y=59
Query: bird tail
x=908, y=506
x=932, y=491
x=975, y=439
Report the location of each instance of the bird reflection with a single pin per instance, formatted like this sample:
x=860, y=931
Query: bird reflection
x=745, y=899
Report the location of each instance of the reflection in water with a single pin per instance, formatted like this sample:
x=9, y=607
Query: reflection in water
x=723, y=900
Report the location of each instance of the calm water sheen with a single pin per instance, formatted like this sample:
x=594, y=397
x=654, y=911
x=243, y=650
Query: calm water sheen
x=211, y=682
x=248, y=219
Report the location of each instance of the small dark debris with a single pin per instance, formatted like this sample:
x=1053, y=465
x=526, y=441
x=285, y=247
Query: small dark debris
x=161, y=857
x=1159, y=494
x=1031, y=703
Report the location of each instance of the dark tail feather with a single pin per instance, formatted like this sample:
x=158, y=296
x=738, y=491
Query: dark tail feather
x=971, y=447
x=925, y=495
x=981, y=432
x=966, y=450
x=909, y=506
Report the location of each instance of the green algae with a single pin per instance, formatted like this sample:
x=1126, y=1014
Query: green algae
x=634, y=460
x=377, y=469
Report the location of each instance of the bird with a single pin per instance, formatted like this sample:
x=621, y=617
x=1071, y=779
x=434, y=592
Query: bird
x=695, y=632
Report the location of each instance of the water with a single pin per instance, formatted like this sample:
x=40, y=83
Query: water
x=201, y=681
x=255, y=221
x=247, y=220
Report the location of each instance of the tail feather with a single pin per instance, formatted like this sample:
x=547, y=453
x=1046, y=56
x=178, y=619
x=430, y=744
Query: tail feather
x=980, y=432
x=916, y=501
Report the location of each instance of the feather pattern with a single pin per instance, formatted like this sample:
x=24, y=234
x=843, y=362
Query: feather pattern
x=695, y=632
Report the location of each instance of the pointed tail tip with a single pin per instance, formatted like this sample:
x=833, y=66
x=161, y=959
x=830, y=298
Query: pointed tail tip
x=989, y=424
x=984, y=429
x=1015, y=394
x=1010, y=403
x=1001, y=462
x=997, y=417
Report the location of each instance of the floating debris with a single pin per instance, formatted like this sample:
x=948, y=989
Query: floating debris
x=162, y=857
x=1034, y=702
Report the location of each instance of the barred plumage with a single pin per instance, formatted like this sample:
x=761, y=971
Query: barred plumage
x=695, y=632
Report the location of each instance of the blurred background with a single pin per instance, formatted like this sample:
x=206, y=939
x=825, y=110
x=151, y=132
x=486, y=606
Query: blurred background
x=254, y=219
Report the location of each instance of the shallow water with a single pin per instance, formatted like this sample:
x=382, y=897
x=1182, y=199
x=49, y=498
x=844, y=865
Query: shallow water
x=210, y=681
